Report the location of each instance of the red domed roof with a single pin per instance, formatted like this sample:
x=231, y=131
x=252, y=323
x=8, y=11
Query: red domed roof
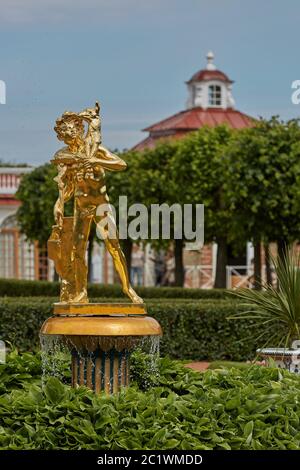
x=178, y=125
x=209, y=75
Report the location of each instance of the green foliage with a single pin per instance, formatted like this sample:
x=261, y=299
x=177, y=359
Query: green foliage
x=149, y=181
x=20, y=371
x=21, y=319
x=120, y=183
x=276, y=311
x=4, y=164
x=38, y=193
x=20, y=288
x=247, y=180
x=152, y=180
x=200, y=171
x=256, y=408
x=202, y=331
x=262, y=187
x=191, y=330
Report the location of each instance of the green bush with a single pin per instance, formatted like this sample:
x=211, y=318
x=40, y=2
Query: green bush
x=16, y=288
x=251, y=409
x=191, y=330
x=21, y=319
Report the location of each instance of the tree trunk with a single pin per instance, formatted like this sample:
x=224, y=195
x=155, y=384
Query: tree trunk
x=257, y=265
x=179, y=268
x=268, y=264
x=127, y=250
x=282, y=251
x=55, y=276
x=282, y=248
x=222, y=259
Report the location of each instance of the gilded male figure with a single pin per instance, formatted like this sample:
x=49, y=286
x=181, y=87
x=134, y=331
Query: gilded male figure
x=81, y=175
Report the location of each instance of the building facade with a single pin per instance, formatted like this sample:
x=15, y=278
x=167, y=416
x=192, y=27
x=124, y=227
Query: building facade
x=209, y=103
x=18, y=258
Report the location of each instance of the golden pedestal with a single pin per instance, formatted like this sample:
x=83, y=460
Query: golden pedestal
x=100, y=338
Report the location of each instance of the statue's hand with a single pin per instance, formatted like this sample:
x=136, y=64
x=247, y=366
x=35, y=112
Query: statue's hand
x=87, y=162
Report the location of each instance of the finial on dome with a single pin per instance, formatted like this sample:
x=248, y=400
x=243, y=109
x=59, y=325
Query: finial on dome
x=210, y=57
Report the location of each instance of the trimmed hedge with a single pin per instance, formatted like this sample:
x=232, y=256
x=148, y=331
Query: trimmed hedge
x=17, y=288
x=192, y=330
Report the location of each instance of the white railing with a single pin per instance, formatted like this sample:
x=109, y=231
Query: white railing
x=234, y=278
x=199, y=276
x=10, y=178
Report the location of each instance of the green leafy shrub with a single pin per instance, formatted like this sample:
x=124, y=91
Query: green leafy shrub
x=276, y=310
x=20, y=371
x=17, y=288
x=191, y=330
x=254, y=408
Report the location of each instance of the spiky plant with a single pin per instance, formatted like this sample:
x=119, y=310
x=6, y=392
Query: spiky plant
x=276, y=310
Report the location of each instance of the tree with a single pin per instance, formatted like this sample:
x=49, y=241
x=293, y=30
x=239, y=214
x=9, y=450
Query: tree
x=4, y=164
x=263, y=185
x=200, y=172
x=152, y=182
x=38, y=193
x=122, y=184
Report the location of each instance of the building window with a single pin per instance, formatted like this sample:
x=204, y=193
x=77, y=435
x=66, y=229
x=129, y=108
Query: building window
x=214, y=95
x=19, y=258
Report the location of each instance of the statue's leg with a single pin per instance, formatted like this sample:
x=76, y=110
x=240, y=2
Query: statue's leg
x=107, y=227
x=81, y=230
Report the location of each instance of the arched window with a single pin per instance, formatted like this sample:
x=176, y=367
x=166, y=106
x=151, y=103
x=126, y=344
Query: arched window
x=214, y=95
x=19, y=258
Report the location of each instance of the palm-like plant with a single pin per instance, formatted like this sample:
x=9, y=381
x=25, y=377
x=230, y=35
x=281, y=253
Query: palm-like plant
x=276, y=311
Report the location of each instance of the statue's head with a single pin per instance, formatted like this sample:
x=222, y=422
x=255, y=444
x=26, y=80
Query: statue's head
x=69, y=128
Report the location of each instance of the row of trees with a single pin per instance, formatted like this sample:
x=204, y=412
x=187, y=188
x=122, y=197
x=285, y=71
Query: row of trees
x=248, y=181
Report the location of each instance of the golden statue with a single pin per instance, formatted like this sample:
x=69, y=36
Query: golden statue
x=81, y=175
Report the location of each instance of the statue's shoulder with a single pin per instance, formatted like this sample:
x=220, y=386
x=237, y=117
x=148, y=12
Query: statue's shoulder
x=63, y=155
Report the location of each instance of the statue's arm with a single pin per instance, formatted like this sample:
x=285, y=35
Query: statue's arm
x=109, y=161
x=85, y=117
x=67, y=193
x=65, y=182
x=68, y=190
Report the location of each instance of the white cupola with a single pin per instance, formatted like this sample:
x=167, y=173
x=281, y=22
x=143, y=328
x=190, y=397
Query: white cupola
x=210, y=88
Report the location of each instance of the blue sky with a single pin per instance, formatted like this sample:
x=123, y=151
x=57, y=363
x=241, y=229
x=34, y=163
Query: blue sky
x=134, y=56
